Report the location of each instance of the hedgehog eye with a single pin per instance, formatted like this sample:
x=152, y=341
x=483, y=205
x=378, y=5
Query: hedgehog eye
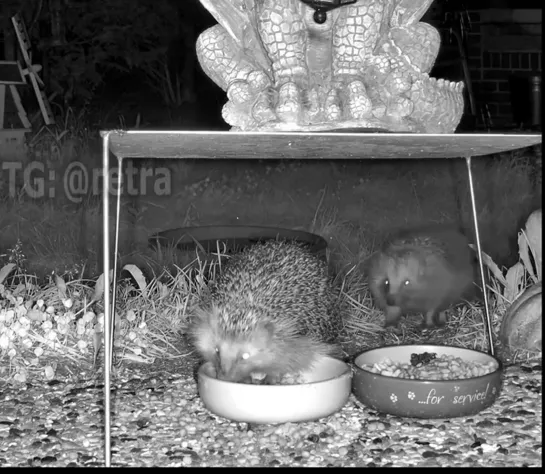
x=406, y=282
x=245, y=355
x=386, y=282
x=217, y=350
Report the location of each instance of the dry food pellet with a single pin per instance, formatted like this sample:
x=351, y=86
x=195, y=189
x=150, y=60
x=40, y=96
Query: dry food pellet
x=444, y=367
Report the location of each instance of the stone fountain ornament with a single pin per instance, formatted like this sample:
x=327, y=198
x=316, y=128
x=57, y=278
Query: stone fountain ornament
x=306, y=65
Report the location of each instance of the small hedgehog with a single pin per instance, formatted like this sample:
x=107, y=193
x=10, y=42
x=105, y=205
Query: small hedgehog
x=426, y=270
x=271, y=312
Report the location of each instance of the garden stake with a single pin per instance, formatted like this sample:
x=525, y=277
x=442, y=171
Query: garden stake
x=106, y=261
x=479, y=255
x=116, y=249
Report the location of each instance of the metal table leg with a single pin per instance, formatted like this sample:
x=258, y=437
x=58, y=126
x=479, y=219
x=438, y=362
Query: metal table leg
x=116, y=252
x=109, y=307
x=487, y=320
x=107, y=315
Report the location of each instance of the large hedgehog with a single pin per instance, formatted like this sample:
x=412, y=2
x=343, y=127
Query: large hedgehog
x=426, y=270
x=272, y=311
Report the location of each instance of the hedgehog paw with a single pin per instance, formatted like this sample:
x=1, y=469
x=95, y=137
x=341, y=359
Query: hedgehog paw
x=432, y=319
x=392, y=316
x=441, y=319
x=425, y=326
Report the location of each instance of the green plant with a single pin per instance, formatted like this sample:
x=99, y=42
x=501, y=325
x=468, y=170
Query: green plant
x=510, y=283
x=65, y=141
x=16, y=256
x=109, y=37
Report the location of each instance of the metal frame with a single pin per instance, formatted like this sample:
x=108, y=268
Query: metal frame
x=479, y=145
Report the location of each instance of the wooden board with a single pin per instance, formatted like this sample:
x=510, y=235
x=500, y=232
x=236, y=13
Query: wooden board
x=11, y=73
x=256, y=145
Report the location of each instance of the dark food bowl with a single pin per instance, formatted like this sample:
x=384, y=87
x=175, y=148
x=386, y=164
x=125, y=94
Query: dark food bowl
x=235, y=238
x=425, y=398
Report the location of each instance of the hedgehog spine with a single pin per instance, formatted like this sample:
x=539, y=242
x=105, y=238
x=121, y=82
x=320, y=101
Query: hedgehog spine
x=271, y=311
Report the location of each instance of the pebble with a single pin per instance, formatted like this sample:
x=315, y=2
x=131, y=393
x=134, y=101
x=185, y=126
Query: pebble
x=150, y=429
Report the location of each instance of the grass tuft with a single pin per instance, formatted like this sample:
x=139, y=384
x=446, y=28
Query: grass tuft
x=43, y=237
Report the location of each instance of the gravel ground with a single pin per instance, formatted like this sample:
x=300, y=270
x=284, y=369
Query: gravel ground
x=158, y=420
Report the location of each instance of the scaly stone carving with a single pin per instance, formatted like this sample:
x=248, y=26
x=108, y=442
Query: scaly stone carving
x=365, y=67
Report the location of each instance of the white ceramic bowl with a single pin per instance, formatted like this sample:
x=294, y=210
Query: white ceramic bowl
x=325, y=390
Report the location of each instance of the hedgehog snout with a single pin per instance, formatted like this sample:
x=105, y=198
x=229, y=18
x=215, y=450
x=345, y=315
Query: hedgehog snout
x=228, y=369
x=397, y=298
x=230, y=372
x=390, y=300
x=395, y=292
x=390, y=297
x=234, y=364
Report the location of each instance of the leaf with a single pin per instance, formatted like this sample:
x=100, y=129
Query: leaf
x=35, y=315
x=488, y=262
x=99, y=287
x=6, y=270
x=532, y=233
x=138, y=276
x=163, y=290
x=61, y=287
x=135, y=358
x=515, y=280
x=97, y=344
x=524, y=254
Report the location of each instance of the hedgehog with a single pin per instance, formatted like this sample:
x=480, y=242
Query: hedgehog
x=424, y=270
x=272, y=311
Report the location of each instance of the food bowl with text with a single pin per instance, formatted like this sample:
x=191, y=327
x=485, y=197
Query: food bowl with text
x=319, y=392
x=427, y=381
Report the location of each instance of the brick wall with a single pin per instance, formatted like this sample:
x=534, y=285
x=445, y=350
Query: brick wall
x=504, y=43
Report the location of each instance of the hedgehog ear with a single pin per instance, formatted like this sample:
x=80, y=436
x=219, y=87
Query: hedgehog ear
x=210, y=314
x=266, y=331
x=199, y=315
